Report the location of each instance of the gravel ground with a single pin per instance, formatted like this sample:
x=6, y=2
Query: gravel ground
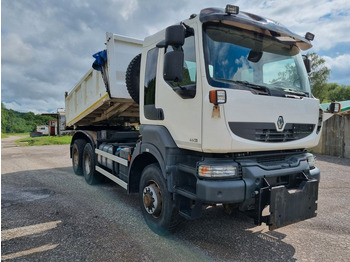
x=50, y=214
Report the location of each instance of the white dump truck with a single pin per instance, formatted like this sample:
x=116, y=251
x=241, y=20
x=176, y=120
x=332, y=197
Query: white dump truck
x=214, y=110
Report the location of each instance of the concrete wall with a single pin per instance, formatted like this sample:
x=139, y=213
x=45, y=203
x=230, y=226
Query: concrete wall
x=335, y=138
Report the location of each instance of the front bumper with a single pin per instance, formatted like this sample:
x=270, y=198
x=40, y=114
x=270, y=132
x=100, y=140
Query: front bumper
x=238, y=191
x=214, y=191
x=259, y=187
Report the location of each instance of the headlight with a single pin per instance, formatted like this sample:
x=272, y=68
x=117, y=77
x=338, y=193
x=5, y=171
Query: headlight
x=213, y=171
x=311, y=161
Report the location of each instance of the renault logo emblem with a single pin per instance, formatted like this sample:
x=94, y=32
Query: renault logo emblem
x=280, y=122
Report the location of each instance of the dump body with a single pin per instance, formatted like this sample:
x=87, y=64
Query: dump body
x=89, y=103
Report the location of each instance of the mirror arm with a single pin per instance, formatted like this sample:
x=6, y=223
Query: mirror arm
x=189, y=31
x=307, y=63
x=161, y=44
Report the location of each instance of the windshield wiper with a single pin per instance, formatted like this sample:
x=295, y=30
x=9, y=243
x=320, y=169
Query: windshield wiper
x=264, y=89
x=294, y=91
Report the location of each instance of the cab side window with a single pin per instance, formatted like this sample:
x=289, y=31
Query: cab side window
x=187, y=87
x=150, y=109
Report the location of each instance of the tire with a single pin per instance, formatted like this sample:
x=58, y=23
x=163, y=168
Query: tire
x=132, y=78
x=77, y=156
x=156, y=202
x=90, y=174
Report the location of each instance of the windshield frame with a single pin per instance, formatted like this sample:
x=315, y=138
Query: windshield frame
x=278, y=49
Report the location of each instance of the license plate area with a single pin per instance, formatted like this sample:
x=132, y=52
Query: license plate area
x=294, y=205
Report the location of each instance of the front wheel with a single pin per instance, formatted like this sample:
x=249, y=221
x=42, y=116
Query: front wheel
x=156, y=202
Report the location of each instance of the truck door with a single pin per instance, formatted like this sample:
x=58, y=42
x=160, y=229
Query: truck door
x=181, y=102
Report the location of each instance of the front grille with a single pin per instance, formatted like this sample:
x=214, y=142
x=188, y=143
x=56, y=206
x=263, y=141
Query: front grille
x=266, y=132
x=290, y=133
x=290, y=181
x=271, y=160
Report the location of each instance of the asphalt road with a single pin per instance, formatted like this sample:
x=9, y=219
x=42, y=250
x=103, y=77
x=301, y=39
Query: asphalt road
x=50, y=214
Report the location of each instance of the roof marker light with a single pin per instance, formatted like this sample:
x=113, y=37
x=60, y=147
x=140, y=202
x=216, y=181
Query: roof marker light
x=309, y=36
x=232, y=9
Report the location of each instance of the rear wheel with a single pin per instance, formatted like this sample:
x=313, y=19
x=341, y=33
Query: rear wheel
x=156, y=202
x=90, y=174
x=77, y=156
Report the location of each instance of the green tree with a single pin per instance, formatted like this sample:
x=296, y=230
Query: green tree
x=4, y=118
x=337, y=92
x=319, y=76
x=16, y=122
x=289, y=75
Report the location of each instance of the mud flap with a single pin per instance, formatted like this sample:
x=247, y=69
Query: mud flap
x=291, y=206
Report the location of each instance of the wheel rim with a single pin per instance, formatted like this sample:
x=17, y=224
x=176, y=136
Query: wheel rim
x=75, y=157
x=87, y=164
x=152, y=199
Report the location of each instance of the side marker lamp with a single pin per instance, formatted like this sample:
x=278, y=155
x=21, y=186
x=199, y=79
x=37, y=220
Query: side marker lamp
x=217, y=97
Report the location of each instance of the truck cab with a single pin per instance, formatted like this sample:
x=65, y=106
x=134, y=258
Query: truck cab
x=231, y=92
x=259, y=75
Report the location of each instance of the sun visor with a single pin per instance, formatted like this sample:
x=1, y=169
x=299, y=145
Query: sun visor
x=257, y=24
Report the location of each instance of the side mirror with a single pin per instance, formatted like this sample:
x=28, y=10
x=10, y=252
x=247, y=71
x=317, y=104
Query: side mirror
x=334, y=108
x=307, y=63
x=175, y=35
x=173, y=66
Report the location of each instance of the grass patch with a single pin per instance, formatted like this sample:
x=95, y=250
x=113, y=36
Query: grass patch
x=3, y=135
x=19, y=134
x=6, y=135
x=44, y=140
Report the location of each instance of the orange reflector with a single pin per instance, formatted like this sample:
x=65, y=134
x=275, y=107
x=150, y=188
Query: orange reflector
x=212, y=96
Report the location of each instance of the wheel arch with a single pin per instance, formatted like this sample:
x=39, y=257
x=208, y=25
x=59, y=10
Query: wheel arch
x=157, y=146
x=88, y=136
x=149, y=155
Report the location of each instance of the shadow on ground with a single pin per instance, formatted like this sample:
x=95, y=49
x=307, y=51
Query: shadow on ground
x=113, y=217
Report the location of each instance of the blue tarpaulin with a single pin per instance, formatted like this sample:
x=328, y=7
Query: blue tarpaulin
x=100, y=60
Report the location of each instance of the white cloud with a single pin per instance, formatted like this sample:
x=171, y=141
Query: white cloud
x=14, y=50
x=128, y=8
x=341, y=62
x=47, y=45
x=28, y=105
x=328, y=20
x=340, y=68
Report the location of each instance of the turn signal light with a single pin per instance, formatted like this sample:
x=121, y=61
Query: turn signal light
x=311, y=161
x=217, y=97
x=217, y=171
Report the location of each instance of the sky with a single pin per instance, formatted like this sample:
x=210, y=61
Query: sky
x=47, y=45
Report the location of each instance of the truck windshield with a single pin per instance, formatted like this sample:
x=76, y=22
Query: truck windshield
x=241, y=59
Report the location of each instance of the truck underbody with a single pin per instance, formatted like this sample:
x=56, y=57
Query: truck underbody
x=280, y=182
